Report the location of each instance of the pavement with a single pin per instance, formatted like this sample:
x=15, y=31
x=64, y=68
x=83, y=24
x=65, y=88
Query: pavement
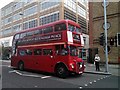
x=113, y=69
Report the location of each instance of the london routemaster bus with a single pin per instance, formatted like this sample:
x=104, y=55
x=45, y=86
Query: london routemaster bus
x=50, y=48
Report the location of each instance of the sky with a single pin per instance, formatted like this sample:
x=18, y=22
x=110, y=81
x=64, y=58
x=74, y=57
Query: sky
x=4, y=2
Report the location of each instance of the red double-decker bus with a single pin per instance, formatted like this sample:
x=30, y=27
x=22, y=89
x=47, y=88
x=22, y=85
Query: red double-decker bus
x=51, y=48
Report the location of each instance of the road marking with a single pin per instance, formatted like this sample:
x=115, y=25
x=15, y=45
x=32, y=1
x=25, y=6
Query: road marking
x=104, y=77
x=90, y=82
x=80, y=87
x=27, y=75
x=45, y=77
x=18, y=73
x=94, y=80
x=9, y=66
x=86, y=85
x=12, y=71
x=5, y=60
x=36, y=86
x=98, y=79
x=3, y=65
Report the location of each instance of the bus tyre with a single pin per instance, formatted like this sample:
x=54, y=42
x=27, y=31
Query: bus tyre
x=61, y=71
x=21, y=66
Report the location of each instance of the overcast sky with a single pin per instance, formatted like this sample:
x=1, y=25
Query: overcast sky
x=4, y=2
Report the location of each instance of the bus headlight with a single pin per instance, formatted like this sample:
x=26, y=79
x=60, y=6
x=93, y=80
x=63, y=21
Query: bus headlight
x=80, y=66
x=72, y=65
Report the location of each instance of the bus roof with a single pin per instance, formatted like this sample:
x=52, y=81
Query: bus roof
x=51, y=24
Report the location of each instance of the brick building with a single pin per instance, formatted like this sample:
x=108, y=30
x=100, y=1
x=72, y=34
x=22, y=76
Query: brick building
x=97, y=27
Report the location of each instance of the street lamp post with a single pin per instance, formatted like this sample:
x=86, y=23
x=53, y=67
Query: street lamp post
x=106, y=49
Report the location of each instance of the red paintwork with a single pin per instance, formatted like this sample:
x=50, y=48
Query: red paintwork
x=46, y=63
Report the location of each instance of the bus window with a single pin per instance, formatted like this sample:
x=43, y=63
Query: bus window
x=37, y=32
x=17, y=36
x=37, y=52
x=22, y=52
x=78, y=29
x=47, y=52
x=60, y=27
x=30, y=33
x=73, y=51
x=57, y=48
x=28, y=52
x=64, y=51
x=22, y=35
x=47, y=30
x=71, y=27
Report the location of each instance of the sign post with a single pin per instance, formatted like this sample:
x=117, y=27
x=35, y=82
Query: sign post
x=106, y=49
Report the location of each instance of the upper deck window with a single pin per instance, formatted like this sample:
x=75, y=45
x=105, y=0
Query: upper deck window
x=17, y=36
x=47, y=30
x=71, y=27
x=37, y=32
x=78, y=29
x=23, y=35
x=60, y=27
x=30, y=33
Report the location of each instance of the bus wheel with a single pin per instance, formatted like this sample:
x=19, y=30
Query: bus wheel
x=61, y=71
x=21, y=66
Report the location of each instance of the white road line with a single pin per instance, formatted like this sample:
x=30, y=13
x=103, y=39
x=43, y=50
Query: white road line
x=12, y=71
x=98, y=79
x=18, y=73
x=5, y=60
x=9, y=66
x=27, y=75
x=86, y=85
x=35, y=86
x=32, y=76
x=94, y=80
x=3, y=65
x=80, y=87
x=45, y=77
x=90, y=82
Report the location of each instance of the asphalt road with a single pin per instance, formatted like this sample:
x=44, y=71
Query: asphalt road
x=12, y=78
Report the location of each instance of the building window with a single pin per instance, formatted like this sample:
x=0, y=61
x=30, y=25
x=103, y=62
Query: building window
x=82, y=12
x=8, y=11
x=70, y=4
x=30, y=24
x=17, y=6
x=17, y=16
x=49, y=18
x=2, y=13
x=7, y=31
x=83, y=2
x=30, y=11
x=17, y=28
x=68, y=15
x=28, y=1
x=47, y=4
x=8, y=20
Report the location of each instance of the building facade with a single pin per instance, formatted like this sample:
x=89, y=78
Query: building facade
x=24, y=14
x=96, y=25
